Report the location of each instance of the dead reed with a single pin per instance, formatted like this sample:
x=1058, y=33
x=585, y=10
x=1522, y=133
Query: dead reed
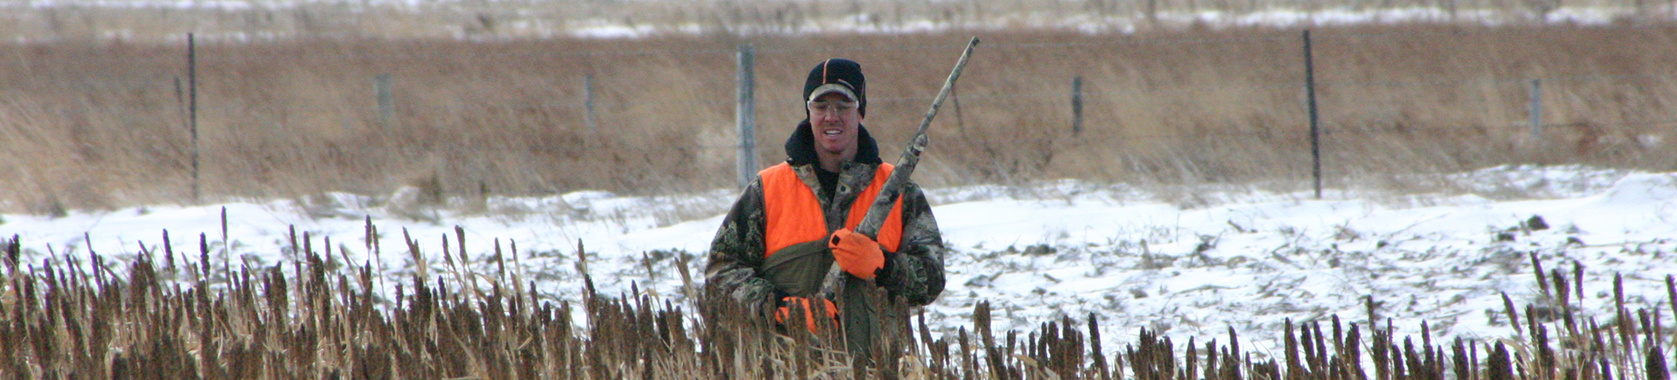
x=161, y=315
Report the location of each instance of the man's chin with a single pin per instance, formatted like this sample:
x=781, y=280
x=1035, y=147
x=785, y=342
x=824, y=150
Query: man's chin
x=828, y=151
x=830, y=147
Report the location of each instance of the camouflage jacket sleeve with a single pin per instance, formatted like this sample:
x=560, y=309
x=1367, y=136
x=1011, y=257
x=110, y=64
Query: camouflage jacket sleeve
x=737, y=251
x=915, y=272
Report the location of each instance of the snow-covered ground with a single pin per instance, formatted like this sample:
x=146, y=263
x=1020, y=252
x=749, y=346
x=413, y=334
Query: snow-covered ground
x=1128, y=22
x=1241, y=259
x=547, y=19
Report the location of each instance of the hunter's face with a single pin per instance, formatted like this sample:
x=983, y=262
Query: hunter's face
x=835, y=120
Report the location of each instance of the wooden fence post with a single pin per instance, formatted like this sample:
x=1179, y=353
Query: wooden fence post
x=745, y=116
x=1315, y=124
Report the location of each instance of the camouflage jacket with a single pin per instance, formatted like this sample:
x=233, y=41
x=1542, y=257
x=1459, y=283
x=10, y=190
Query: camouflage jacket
x=913, y=275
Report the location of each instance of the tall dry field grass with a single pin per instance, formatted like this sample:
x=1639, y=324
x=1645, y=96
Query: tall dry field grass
x=167, y=315
x=104, y=124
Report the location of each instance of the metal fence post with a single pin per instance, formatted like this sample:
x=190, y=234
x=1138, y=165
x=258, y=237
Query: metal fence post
x=192, y=111
x=588, y=102
x=745, y=116
x=1077, y=105
x=1536, y=111
x=955, y=96
x=1315, y=124
x=386, y=104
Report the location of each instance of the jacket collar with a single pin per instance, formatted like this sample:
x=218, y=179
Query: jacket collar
x=800, y=148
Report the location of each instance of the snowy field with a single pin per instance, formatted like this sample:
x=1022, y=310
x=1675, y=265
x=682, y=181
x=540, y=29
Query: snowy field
x=1130, y=23
x=548, y=19
x=1232, y=258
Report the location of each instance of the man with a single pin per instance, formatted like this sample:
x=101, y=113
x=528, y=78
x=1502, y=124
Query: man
x=792, y=223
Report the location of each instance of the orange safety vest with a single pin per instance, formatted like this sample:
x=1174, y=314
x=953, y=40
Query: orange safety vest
x=795, y=216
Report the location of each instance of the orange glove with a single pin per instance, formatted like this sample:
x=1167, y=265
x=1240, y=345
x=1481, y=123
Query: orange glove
x=809, y=314
x=856, y=253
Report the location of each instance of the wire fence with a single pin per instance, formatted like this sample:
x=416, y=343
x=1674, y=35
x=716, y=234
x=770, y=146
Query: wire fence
x=1099, y=101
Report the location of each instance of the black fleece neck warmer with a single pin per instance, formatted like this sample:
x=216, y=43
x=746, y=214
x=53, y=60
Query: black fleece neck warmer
x=800, y=148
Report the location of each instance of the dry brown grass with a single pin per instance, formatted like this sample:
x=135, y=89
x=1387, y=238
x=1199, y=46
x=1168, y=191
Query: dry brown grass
x=101, y=124
x=170, y=315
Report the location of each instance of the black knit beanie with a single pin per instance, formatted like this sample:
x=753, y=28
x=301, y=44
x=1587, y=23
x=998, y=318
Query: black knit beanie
x=840, y=71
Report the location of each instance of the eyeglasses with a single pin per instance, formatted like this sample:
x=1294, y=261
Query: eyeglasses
x=832, y=106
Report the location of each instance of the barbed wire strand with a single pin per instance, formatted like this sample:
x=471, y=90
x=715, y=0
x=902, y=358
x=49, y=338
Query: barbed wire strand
x=166, y=91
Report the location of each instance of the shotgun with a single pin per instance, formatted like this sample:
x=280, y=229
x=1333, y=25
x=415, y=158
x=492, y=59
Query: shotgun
x=893, y=187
